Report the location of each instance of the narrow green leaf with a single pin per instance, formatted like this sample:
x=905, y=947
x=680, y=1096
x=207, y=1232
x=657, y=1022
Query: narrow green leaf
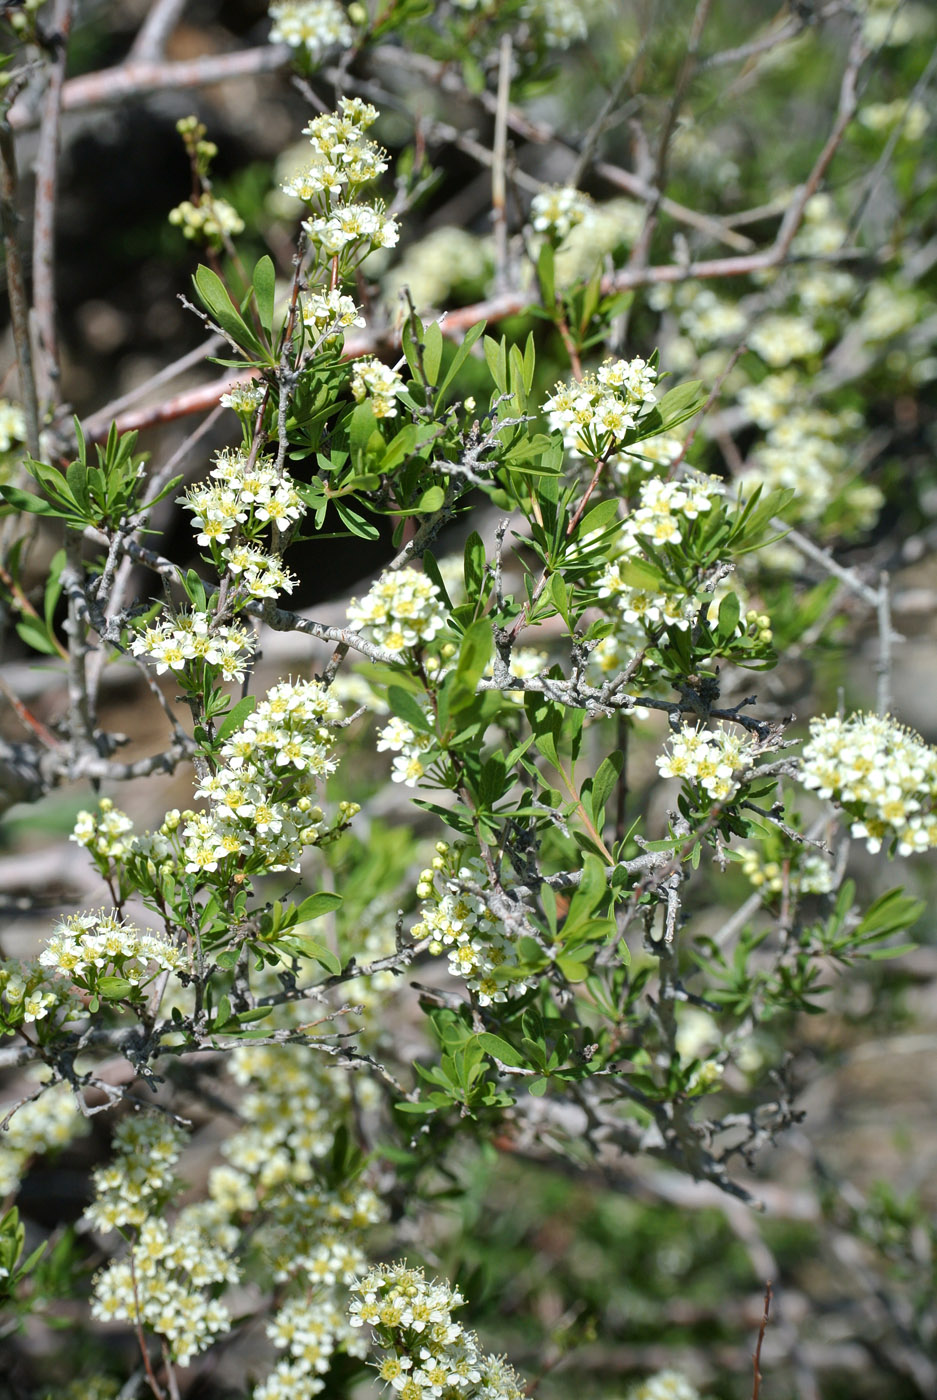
x=431, y=500
x=315, y=905
x=405, y=707
x=264, y=281
x=461, y=355
x=494, y=1045
x=605, y=781
x=214, y=297
x=432, y=351
x=236, y=717
x=474, y=654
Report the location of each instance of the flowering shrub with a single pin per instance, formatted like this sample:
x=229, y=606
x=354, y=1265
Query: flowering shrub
x=519, y=760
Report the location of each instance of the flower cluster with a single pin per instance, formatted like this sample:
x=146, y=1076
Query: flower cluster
x=402, y=610
x=811, y=874
x=235, y=508
x=426, y=1355
x=379, y=383
x=666, y=510
x=309, y=1330
x=324, y=313
x=12, y=425
x=211, y=221
x=456, y=917
x=611, y=227
x=310, y=1233
x=27, y=994
x=106, y=833
x=262, y=812
x=781, y=339
x=665, y=1385
x=141, y=1177
x=563, y=22
x=711, y=759
x=86, y=948
x=412, y=747
x=343, y=161
x=314, y=25
x=701, y=313
x=598, y=412
x=912, y=117
x=665, y=514
x=195, y=637
x=160, y=1281
x=556, y=211
x=245, y=399
x=38, y=1126
x=883, y=775
x=159, y=1284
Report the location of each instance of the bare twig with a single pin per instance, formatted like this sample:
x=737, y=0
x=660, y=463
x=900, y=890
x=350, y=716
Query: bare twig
x=16, y=287
x=45, y=202
x=98, y=425
x=114, y=85
x=885, y=636
x=156, y=30
x=499, y=213
x=756, y=1359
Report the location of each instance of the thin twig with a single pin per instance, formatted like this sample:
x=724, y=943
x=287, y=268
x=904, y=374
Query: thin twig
x=44, y=213
x=499, y=213
x=756, y=1358
x=885, y=637
x=98, y=425
x=156, y=30
x=16, y=287
x=115, y=85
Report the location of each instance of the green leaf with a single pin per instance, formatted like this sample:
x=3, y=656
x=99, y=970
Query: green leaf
x=303, y=946
x=26, y=501
x=474, y=565
x=236, y=717
x=605, y=781
x=890, y=913
x=730, y=610
x=315, y=905
x=461, y=355
x=114, y=988
x=474, y=654
x=405, y=707
x=411, y=336
x=432, y=499
x=213, y=295
x=264, y=282
x=494, y=1045
x=432, y=351
x=496, y=357
x=546, y=277
x=678, y=405
x=572, y=969
x=36, y=635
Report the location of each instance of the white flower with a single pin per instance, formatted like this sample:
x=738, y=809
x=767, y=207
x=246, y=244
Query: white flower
x=315, y=25
x=884, y=776
x=558, y=210
x=402, y=610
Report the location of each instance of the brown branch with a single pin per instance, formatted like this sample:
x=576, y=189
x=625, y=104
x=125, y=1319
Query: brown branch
x=156, y=30
x=113, y=85
x=45, y=201
x=756, y=1359
x=16, y=286
x=99, y=423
